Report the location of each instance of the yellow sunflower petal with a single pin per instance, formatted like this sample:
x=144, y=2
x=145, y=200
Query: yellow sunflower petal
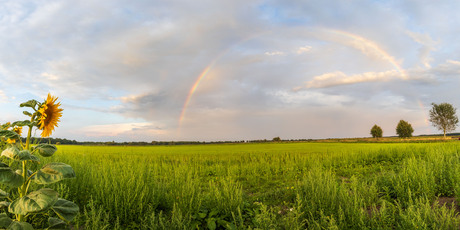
x=50, y=115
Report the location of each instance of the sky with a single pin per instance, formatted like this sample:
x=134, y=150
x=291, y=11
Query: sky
x=211, y=70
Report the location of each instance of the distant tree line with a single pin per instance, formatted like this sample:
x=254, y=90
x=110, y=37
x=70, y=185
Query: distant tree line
x=65, y=141
x=53, y=141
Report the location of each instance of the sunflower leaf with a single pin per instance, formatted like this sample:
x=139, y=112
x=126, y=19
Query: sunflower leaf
x=54, y=172
x=9, y=177
x=22, y=123
x=3, y=194
x=11, y=152
x=27, y=113
x=23, y=155
x=65, y=209
x=34, y=202
x=45, y=150
x=30, y=103
x=9, y=134
x=16, y=225
x=5, y=221
x=29, y=172
x=4, y=204
x=56, y=223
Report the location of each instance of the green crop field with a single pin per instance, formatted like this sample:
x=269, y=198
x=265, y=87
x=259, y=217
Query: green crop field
x=264, y=186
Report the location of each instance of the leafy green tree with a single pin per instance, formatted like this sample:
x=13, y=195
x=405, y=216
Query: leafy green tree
x=443, y=117
x=404, y=129
x=376, y=131
x=276, y=139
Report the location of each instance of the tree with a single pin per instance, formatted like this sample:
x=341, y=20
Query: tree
x=443, y=117
x=376, y=131
x=276, y=139
x=404, y=129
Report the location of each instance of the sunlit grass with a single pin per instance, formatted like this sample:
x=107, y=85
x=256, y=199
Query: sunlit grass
x=278, y=186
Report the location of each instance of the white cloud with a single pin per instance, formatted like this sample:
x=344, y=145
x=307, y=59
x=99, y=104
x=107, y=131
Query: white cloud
x=425, y=75
x=305, y=97
x=50, y=77
x=428, y=45
x=424, y=39
x=3, y=97
x=453, y=62
x=339, y=78
x=274, y=53
x=303, y=49
x=450, y=68
x=299, y=50
x=113, y=130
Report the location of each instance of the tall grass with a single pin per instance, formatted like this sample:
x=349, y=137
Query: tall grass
x=265, y=186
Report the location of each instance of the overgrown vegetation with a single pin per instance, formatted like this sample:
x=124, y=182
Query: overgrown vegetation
x=265, y=186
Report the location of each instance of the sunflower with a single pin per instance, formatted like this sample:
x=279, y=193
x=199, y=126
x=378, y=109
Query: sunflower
x=50, y=115
x=11, y=141
x=18, y=130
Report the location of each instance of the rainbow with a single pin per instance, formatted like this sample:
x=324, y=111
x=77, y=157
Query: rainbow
x=422, y=107
x=193, y=89
x=203, y=74
x=365, y=45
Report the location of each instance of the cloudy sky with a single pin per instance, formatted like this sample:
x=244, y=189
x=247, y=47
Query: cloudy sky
x=230, y=69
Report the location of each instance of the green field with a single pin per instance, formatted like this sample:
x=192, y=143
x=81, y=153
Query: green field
x=264, y=186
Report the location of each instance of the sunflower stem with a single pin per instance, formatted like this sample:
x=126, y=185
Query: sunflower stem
x=25, y=184
x=23, y=188
x=28, y=138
